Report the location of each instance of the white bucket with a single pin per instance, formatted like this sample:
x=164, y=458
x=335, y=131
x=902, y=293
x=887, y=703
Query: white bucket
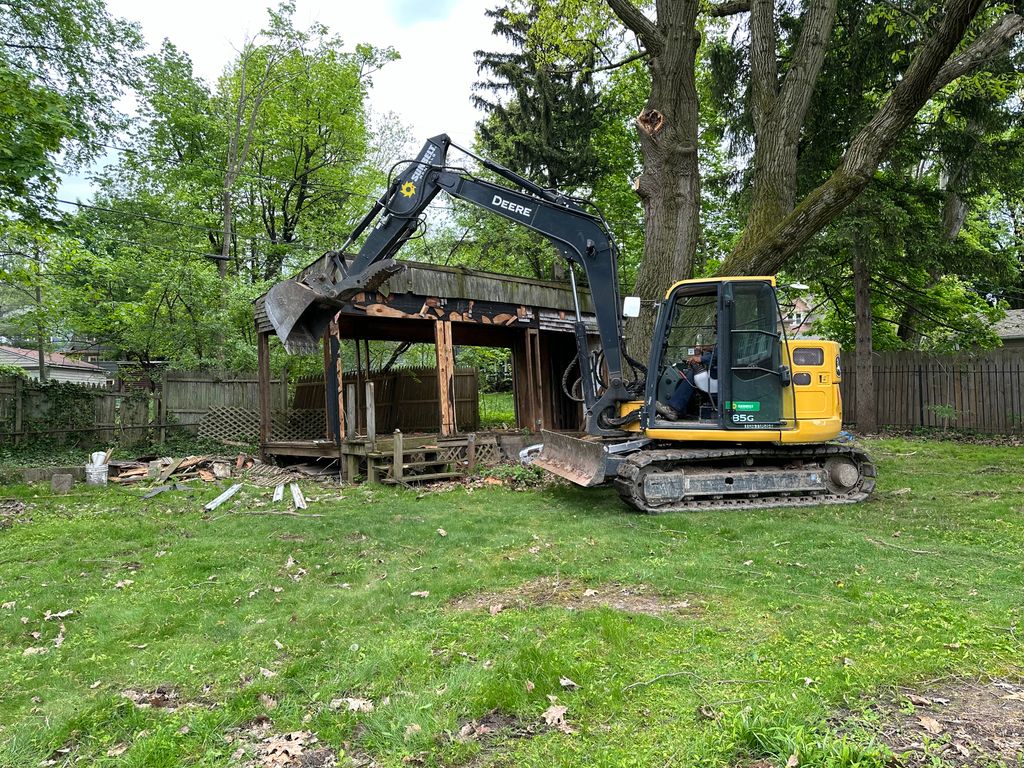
x=96, y=474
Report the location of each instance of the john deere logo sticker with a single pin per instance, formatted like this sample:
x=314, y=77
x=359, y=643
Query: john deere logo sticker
x=408, y=189
x=739, y=405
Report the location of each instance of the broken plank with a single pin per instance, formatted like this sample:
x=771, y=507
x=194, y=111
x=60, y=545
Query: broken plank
x=223, y=497
x=169, y=470
x=155, y=491
x=278, y=493
x=297, y=497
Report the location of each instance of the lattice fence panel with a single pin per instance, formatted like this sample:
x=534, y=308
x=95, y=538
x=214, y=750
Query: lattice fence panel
x=225, y=423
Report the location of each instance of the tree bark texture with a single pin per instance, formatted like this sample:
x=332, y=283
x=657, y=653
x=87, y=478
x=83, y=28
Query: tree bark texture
x=669, y=186
x=867, y=415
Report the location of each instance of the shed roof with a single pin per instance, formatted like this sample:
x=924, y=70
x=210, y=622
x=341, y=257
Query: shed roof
x=461, y=283
x=1011, y=326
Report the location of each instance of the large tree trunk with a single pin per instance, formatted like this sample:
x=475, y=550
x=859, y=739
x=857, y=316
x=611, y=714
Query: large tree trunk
x=669, y=187
x=867, y=415
x=930, y=70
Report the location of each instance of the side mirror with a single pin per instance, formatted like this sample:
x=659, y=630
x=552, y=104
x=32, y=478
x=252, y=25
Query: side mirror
x=631, y=306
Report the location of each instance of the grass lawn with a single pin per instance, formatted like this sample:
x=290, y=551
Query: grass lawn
x=497, y=410
x=778, y=628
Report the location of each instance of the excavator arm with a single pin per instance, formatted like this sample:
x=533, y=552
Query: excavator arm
x=301, y=310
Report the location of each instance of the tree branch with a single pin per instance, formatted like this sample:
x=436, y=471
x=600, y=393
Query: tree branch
x=985, y=47
x=728, y=8
x=639, y=24
x=808, y=59
x=604, y=67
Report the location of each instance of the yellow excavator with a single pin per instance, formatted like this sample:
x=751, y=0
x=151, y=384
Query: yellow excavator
x=726, y=412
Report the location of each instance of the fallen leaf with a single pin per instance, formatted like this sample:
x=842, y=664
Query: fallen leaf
x=267, y=672
x=555, y=715
x=567, y=684
x=442, y=532
x=930, y=724
x=268, y=702
x=707, y=712
x=423, y=593
x=34, y=651
x=278, y=644
x=961, y=749
x=9, y=606
x=530, y=686
x=412, y=729
x=748, y=562
x=123, y=583
x=590, y=593
x=291, y=562
x=952, y=646
x=58, y=641
x=119, y=749
x=533, y=550
x=61, y=615
x=793, y=761
x=95, y=685
x=352, y=704
x=919, y=701
x=184, y=729
x=496, y=609
x=809, y=681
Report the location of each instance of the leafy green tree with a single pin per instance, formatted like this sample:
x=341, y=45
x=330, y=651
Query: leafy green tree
x=63, y=65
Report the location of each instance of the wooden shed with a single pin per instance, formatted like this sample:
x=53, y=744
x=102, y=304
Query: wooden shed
x=447, y=307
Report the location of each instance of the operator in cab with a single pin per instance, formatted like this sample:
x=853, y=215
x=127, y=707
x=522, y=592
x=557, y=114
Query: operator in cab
x=701, y=373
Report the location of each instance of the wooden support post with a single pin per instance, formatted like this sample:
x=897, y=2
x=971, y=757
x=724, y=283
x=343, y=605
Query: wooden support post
x=398, y=457
x=471, y=452
x=263, y=368
x=339, y=368
x=536, y=384
x=445, y=375
x=350, y=410
x=371, y=416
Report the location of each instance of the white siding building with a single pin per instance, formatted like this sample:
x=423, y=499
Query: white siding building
x=58, y=367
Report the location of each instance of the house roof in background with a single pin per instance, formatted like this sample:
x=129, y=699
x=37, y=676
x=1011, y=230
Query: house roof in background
x=1011, y=326
x=54, y=359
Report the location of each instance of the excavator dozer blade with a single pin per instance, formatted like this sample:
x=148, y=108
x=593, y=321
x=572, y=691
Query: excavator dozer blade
x=583, y=462
x=299, y=315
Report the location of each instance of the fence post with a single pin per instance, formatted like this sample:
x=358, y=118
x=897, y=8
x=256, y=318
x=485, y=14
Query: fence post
x=471, y=452
x=19, y=409
x=398, y=457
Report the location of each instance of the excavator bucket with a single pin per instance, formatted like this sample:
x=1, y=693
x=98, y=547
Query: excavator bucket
x=583, y=462
x=299, y=315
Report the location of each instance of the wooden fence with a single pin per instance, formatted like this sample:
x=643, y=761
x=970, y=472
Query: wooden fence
x=404, y=398
x=981, y=393
x=100, y=414
x=186, y=396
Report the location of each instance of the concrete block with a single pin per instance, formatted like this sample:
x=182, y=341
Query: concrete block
x=61, y=484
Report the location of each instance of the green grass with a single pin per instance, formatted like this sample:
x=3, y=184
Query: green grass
x=797, y=615
x=497, y=409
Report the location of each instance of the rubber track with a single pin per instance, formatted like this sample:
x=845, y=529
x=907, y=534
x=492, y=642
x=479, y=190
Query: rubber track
x=629, y=482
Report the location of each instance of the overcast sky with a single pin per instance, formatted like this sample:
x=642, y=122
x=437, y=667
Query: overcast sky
x=428, y=88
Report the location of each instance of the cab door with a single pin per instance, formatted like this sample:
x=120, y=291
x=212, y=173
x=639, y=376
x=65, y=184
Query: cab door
x=753, y=379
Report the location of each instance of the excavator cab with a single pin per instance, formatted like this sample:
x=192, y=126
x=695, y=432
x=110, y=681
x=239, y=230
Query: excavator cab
x=720, y=355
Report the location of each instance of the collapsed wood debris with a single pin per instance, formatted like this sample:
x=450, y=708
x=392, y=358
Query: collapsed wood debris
x=205, y=468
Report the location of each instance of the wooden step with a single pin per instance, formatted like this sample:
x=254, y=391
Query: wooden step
x=424, y=478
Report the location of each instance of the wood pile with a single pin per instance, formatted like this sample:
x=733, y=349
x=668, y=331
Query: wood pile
x=205, y=468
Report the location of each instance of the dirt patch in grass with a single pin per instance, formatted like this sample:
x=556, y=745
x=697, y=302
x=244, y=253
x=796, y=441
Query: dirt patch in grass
x=573, y=596
x=163, y=697
x=961, y=723
x=13, y=511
